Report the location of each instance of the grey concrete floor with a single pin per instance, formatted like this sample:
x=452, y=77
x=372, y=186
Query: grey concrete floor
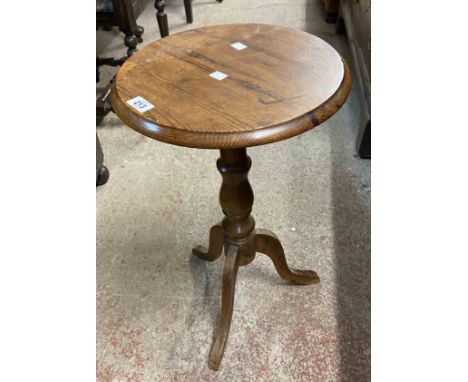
x=157, y=306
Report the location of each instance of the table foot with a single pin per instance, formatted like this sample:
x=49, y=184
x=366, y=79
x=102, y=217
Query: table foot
x=215, y=247
x=231, y=266
x=268, y=243
x=263, y=241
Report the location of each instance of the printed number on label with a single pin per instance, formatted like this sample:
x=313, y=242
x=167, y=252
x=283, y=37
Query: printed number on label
x=140, y=104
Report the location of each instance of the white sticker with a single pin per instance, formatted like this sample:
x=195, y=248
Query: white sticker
x=238, y=46
x=140, y=104
x=218, y=75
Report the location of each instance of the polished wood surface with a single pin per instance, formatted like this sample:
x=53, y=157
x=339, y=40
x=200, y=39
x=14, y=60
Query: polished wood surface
x=284, y=83
x=240, y=240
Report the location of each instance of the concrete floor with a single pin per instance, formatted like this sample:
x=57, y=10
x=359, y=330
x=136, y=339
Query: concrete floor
x=157, y=306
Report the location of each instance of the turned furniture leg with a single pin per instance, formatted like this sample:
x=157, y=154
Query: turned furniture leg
x=231, y=265
x=102, y=173
x=215, y=247
x=340, y=24
x=98, y=76
x=130, y=42
x=139, y=30
x=331, y=17
x=188, y=11
x=241, y=241
x=103, y=105
x=267, y=243
x=161, y=16
x=103, y=176
x=365, y=145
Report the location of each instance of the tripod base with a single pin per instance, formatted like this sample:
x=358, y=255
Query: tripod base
x=241, y=241
x=261, y=240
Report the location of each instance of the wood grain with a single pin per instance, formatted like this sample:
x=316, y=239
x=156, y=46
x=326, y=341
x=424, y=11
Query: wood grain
x=284, y=83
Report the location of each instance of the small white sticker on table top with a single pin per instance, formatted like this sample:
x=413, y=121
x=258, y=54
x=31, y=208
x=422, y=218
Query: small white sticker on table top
x=238, y=46
x=218, y=75
x=140, y=104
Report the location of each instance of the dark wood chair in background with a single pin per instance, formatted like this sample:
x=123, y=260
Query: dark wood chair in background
x=109, y=14
x=118, y=13
x=162, y=16
x=123, y=14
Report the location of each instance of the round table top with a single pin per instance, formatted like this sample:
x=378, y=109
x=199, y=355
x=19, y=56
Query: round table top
x=230, y=86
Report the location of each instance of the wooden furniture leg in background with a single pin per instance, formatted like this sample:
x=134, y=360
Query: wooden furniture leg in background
x=139, y=30
x=102, y=173
x=354, y=18
x=126, y=20
x=365, y=145
x=103, y=106
x=161, y=16
x=237, y=234
x=331, y=10
x=121, y=14
x=131, y=42
x=188, y=11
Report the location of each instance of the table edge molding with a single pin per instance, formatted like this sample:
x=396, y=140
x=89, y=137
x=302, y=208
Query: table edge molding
x=232, y=140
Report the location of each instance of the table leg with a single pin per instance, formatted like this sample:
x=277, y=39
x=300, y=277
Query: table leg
x=266, y=242
x=241, y=241
x=216, y=245
x=231, y=264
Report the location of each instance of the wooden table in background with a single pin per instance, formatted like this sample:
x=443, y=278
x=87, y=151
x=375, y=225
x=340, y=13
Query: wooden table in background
x=283, y=82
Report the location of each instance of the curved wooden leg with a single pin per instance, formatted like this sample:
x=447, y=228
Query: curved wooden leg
x=266, y=242
x=215, y=247
x=231, y=265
